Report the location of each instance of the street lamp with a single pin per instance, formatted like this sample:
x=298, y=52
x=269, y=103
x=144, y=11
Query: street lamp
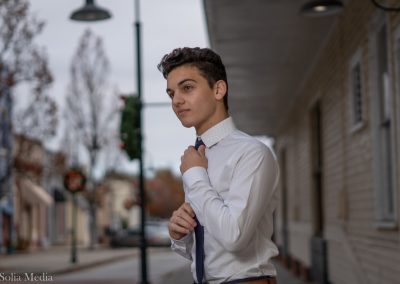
x=92, y=13
x=317, y=8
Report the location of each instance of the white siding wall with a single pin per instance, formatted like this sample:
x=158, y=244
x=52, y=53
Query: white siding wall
x=358, y=251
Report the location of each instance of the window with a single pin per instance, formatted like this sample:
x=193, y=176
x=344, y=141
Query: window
x=383, y=129
x=356, y=92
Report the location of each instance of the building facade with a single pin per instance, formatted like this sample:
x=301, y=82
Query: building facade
x=327, y=89
x=54, y=170
x=338, y=220
x=31, y=200
x=119, y=208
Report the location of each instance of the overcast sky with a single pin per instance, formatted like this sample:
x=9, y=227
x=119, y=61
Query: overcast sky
x=165, y=25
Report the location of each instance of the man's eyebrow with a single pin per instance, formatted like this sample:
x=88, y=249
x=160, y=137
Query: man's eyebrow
x=185, y=80
x=181, y=83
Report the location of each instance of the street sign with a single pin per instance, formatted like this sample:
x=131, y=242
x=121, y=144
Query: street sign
x=74, y=180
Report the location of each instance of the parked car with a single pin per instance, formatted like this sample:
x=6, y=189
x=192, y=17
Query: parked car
x=156, y=235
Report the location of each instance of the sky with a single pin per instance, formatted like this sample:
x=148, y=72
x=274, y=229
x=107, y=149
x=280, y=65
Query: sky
x=165, y=26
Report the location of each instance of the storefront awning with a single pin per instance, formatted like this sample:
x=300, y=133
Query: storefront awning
x=34, y=194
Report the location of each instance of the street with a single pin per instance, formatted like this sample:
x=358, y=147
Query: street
x=162, y=265
x=106, y=265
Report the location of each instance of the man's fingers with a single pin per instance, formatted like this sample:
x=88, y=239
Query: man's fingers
x=187, y=208
x=184, y=219
x=177, y=229
x=202, y=150
x=184, y=223
x=189, y=149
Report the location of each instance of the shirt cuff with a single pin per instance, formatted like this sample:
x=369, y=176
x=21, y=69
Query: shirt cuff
x=182, y=241
x=193, y=175
x=183, y=246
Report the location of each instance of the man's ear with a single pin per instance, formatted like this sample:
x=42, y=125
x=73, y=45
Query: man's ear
x=220, y=89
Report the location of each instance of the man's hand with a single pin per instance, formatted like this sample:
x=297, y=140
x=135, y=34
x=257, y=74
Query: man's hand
x=193, y=158
x=182, y=222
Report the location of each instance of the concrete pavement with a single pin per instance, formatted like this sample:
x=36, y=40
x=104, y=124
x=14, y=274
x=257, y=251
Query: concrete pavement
x=184, y=276
x=55, y=262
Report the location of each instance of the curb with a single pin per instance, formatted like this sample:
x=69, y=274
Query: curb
x=89, y=265
x=69, y=267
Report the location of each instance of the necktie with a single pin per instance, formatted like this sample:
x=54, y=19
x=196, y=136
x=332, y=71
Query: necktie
x=198, y=143
x=199, y=237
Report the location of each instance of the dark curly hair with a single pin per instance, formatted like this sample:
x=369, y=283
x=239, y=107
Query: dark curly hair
x=207, y=61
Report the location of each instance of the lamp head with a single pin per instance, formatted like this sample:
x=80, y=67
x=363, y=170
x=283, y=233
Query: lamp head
x=90, y=12
x=320, y=8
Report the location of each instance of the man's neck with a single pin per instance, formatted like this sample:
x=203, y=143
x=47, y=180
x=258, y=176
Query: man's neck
x=221, y=118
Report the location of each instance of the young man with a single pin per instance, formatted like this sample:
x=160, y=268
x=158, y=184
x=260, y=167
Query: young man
x=225, y=225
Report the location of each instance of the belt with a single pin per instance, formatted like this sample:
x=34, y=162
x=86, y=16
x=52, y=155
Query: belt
x=251, y=280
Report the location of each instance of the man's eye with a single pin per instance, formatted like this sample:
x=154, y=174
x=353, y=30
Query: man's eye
x=171, y=95
x=187, y=87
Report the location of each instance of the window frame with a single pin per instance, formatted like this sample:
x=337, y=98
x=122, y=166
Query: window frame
x=355, y=60
x=384, y=218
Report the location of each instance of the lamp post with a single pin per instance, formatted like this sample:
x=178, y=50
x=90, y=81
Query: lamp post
x=74, y=182
x=143, y=245
x=90, y=12
x=74, y=254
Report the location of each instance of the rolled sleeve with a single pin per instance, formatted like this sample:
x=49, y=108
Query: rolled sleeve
x=183, y=246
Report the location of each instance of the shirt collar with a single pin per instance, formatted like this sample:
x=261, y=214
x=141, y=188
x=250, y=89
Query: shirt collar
x=218, y=132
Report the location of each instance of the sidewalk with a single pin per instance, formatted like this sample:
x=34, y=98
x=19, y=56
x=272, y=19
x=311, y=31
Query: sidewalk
x=184, y=276
x=285, y=276
x=56, y=260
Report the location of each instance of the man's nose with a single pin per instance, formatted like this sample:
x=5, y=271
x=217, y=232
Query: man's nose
x=178, y=99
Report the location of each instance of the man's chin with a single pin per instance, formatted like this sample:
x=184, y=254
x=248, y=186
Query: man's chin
x=187, y=125
x=188, y=121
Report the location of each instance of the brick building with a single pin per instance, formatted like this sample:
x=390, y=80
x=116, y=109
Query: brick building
x=31, y=200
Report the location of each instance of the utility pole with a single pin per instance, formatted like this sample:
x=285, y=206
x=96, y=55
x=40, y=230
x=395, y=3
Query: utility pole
x=89, y=13
x=143, y=244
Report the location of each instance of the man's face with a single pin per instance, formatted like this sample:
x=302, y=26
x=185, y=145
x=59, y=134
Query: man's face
x=193, y=100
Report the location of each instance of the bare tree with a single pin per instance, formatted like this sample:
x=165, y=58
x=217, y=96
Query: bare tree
x=25, y=63
x=23, y=60
x=39, y=120
x=91, y=109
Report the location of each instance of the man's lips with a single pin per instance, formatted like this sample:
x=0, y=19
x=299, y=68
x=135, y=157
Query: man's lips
x=182, y=111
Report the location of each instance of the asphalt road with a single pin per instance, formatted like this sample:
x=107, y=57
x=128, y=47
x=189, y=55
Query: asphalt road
x=164, y=266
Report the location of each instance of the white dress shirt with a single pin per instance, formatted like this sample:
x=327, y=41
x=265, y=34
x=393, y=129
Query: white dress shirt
x=234, y=200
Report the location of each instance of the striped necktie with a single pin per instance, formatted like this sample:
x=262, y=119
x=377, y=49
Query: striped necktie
x=199, y=236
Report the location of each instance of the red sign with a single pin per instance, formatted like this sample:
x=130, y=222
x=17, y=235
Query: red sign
x=74, y=180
